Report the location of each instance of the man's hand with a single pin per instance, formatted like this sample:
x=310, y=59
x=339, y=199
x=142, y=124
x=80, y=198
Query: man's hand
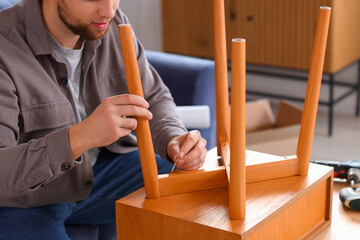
x=191, y=148
x=108, y=123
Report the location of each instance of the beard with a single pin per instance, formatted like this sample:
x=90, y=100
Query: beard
x=77, y=27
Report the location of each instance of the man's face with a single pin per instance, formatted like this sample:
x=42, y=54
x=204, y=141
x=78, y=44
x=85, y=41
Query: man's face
x=90, y=19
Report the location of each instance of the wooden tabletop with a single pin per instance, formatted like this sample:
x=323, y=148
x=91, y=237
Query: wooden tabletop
x=345, y=222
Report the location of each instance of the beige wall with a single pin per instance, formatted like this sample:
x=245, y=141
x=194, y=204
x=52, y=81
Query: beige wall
x=145, y=17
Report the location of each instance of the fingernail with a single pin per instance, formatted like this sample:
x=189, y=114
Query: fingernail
x=180, y=162
x=181, y=154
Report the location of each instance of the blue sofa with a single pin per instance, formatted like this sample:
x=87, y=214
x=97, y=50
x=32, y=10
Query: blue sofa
x=191, y=82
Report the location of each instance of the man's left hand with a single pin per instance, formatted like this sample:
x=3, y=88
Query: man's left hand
x=191, y=149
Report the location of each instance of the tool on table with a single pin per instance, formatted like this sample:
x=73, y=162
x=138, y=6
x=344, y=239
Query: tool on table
x=177, y=159
x=350, y=197
x=350, y=170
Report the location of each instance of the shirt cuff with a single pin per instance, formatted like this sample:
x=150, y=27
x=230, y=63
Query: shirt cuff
x=59, y=152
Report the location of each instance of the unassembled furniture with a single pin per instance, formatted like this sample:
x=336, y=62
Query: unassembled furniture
x=279, y=36
x=284, y=197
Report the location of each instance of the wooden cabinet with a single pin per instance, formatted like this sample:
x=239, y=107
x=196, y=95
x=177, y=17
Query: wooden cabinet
x=295, y=207
x=279, y=33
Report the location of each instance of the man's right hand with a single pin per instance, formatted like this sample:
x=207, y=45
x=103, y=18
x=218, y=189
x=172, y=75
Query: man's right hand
x=111, y=120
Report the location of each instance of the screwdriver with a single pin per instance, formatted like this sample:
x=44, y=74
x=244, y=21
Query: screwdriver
x=177, y=159
x=350, y=197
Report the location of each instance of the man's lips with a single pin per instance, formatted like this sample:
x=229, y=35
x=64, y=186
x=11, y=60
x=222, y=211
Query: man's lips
x=100, y=25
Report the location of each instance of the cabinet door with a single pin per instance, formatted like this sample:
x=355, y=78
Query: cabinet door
x=278, y=33
x=188, y=27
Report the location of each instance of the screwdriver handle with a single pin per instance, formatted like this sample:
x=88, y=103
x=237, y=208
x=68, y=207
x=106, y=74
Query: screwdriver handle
x=350, y=197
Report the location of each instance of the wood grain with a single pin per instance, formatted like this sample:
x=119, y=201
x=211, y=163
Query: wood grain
x=279, y=33
x=345, y=222
x=191, y=181
x=221, y=76
x=259, y=167
x=283, y=167
x=145, y=144
x=296, y=206
x=313, y=91
x=237, y=187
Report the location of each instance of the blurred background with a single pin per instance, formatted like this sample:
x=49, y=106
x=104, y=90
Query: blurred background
x=279, y=39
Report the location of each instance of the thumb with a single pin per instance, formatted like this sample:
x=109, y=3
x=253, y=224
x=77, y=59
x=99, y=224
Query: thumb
x=173, y=148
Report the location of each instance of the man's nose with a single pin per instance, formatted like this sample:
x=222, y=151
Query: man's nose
x=108, y=8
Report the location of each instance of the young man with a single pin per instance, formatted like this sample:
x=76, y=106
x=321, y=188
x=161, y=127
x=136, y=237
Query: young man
x=66, y=118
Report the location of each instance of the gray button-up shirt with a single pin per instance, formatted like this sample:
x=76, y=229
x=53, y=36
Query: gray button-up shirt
x=36, y=164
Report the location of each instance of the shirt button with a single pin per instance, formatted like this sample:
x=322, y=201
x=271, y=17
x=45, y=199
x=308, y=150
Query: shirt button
x=89, y=183
x=64, y=80
x=65, y=167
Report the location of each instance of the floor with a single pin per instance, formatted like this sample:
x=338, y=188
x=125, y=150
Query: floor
x=343, y=145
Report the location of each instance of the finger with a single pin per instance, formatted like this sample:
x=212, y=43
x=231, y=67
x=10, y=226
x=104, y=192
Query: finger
x=173, y=150
x=123, y=132
x=191, y=139
x=128, y=99
x=195, y=157
x=196, y=166
x=203, y=157
x=127, y=123
x=133, y=111
x=173, y=147
x=191, y=165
